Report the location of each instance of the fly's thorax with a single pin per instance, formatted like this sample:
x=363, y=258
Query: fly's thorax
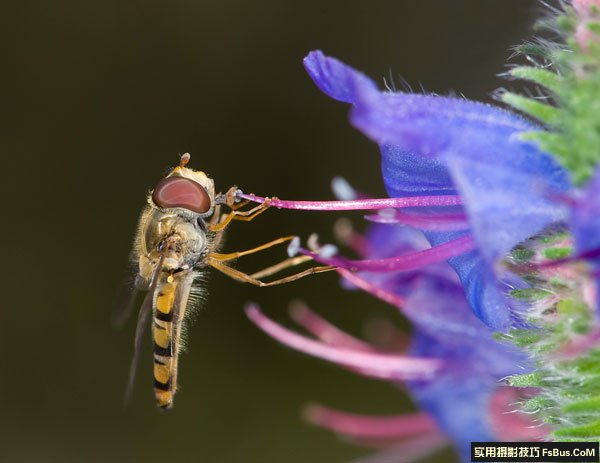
x=176, y=235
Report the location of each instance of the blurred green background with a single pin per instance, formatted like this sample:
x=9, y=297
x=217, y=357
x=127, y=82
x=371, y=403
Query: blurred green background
x=101, y=96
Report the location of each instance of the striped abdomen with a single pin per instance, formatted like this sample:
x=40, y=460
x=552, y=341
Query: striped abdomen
x=168, y=311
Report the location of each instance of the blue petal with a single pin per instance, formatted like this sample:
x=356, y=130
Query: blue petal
x=584, y=221
x=585, y=216
x=506, y=190
x=435, y=145
x=501, y=177
x=445, y=328
x=334, y=78
x=459, y=406
x=458, y=397
x=408, y=174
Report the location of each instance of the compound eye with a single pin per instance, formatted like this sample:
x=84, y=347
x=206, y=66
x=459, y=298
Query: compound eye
x=181, y=192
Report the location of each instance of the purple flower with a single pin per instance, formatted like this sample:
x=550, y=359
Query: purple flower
x=462, y=173
x=439, y=147
x=452, y=366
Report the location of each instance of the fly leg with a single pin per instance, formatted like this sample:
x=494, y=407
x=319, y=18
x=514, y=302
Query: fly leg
x=236, y=214
x=214, y=220
x=229, y=199
x=235, y=255
x=279, y=267
x=217, y=260
x=245, y=278
x=244, y=216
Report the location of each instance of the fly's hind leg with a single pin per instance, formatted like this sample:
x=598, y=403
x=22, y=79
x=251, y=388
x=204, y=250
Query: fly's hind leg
x=279, y=267
x=217, y=261
x=245, y=278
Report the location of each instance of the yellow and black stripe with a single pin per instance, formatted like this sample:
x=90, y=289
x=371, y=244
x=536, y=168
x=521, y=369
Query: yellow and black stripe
x=168, y=313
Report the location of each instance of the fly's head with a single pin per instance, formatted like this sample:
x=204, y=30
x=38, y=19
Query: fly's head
x=173, y=225
x=191, y=192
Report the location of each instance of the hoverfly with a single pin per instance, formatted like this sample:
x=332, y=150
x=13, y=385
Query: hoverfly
x=178, y=237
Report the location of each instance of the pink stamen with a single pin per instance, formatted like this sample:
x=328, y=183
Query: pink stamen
x=383, y=366
x=368, y=287
x=404, y=263
x=324, y=330
x=364, y=426
x=433, y=222
x=358, y=204
x=327, y=332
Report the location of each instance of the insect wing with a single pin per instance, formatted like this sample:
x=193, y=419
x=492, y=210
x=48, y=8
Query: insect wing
x=141, y=327
x=126, y=297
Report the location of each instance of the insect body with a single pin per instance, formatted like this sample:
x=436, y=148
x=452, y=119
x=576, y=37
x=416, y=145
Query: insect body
x=172, y=243
x=178, y=235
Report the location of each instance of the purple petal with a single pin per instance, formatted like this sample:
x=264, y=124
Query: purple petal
x=584, y=222
x=460, y=395
x=332, y=78
x=435, y=145
x=460, y=406
x=507, y=202
x=585, y=216
x=477, y=151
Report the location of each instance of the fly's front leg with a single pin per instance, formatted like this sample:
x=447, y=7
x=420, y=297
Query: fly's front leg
x=229, y=200
x=218, y=236
x=216, y=216
x=244, y=216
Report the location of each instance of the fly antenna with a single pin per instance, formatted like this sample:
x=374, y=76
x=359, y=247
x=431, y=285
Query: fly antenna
x=185, y=158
